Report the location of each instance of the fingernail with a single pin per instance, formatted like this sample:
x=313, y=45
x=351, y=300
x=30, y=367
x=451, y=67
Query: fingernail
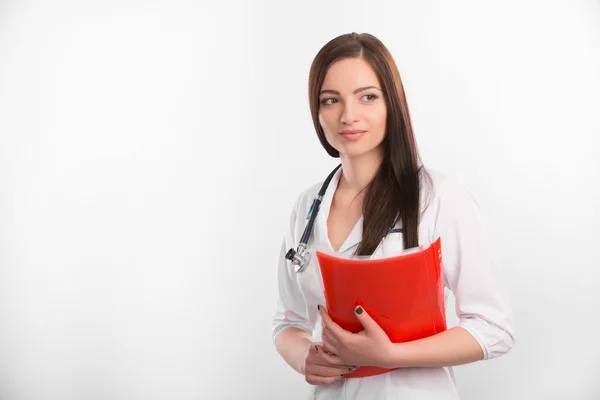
x=359, y=310
x=316, y=348
x=319, y=307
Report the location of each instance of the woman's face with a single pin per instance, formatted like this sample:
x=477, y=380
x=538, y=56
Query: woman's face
x=351, y=99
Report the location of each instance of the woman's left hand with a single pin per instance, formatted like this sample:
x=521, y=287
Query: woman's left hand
x=369, y=347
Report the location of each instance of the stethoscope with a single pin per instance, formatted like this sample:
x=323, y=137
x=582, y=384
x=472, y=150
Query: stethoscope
x=300, y=257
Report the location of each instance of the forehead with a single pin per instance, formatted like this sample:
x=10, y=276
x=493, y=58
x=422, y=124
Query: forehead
x=348, y=74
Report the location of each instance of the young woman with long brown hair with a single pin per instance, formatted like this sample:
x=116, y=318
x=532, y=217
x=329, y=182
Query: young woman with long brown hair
x=361, y=116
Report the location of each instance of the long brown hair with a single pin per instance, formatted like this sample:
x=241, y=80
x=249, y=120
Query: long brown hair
x=395, y=189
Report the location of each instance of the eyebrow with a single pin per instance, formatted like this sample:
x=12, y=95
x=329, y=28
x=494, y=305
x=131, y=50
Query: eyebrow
x=360, y=89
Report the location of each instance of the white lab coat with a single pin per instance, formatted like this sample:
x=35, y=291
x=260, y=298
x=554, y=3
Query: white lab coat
x=451, y=213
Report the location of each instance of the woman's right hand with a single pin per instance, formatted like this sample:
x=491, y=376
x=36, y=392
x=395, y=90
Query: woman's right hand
x=321, y=368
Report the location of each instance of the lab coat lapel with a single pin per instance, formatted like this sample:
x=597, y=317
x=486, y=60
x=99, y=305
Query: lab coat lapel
x=355, y=235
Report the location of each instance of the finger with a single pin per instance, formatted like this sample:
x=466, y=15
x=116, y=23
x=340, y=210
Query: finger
x=331, y=359
x=321, y=348
x=327, y=321
x=313, y=348
x=330, y=328
x=364, y=318
x=331, y=342
x=329, y=349
x=327, y=371
x=341, y=369
x=317, y=347
x=318, y=380
x=316, y=375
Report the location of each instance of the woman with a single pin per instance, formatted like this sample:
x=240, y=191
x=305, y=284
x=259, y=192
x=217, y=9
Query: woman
x=361, y=115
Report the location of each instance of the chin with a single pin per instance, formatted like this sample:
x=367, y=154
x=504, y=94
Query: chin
x=354, y=151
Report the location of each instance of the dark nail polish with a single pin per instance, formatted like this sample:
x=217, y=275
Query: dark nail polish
x=318, y=307
x=359, y=310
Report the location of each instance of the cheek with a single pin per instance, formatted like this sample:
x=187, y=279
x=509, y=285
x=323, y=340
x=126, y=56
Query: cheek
x=327, y=121
x=380, y=116
x=377, y=121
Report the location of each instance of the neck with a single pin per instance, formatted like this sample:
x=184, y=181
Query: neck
x=358, y=172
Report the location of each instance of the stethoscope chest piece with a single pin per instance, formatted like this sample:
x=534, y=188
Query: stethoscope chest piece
x=299, y=258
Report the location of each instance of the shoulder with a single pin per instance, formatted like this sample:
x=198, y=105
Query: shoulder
x=448, y=201
x=438, y=186
x=305, y=198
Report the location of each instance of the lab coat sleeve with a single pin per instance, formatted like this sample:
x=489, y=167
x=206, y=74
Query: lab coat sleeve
x=291, y=307
x=481, y=307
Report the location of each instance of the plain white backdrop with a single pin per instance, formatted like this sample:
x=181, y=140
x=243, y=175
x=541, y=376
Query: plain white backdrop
x=151, y=151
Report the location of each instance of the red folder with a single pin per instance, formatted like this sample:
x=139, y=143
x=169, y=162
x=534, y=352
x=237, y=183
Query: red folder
x=404, y=294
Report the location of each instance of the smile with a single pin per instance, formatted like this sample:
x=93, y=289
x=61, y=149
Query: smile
x=353, y=136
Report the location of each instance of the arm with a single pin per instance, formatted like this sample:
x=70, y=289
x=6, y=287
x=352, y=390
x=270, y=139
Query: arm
x=454, y=346
x=292, y=344
x=291, y=326
x=485, y=329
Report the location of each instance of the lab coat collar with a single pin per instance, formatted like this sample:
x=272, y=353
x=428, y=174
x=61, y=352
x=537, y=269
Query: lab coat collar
x=355, y=235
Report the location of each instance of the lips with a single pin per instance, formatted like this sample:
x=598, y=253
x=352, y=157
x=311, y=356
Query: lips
x=352, y=134
x=351, y=131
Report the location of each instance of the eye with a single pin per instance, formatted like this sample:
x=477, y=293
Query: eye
x=373, y=97
x=324, y=101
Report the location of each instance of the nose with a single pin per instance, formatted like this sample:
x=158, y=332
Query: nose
x=348, y=114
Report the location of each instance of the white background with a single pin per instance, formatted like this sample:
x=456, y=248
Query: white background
x=150, y=153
